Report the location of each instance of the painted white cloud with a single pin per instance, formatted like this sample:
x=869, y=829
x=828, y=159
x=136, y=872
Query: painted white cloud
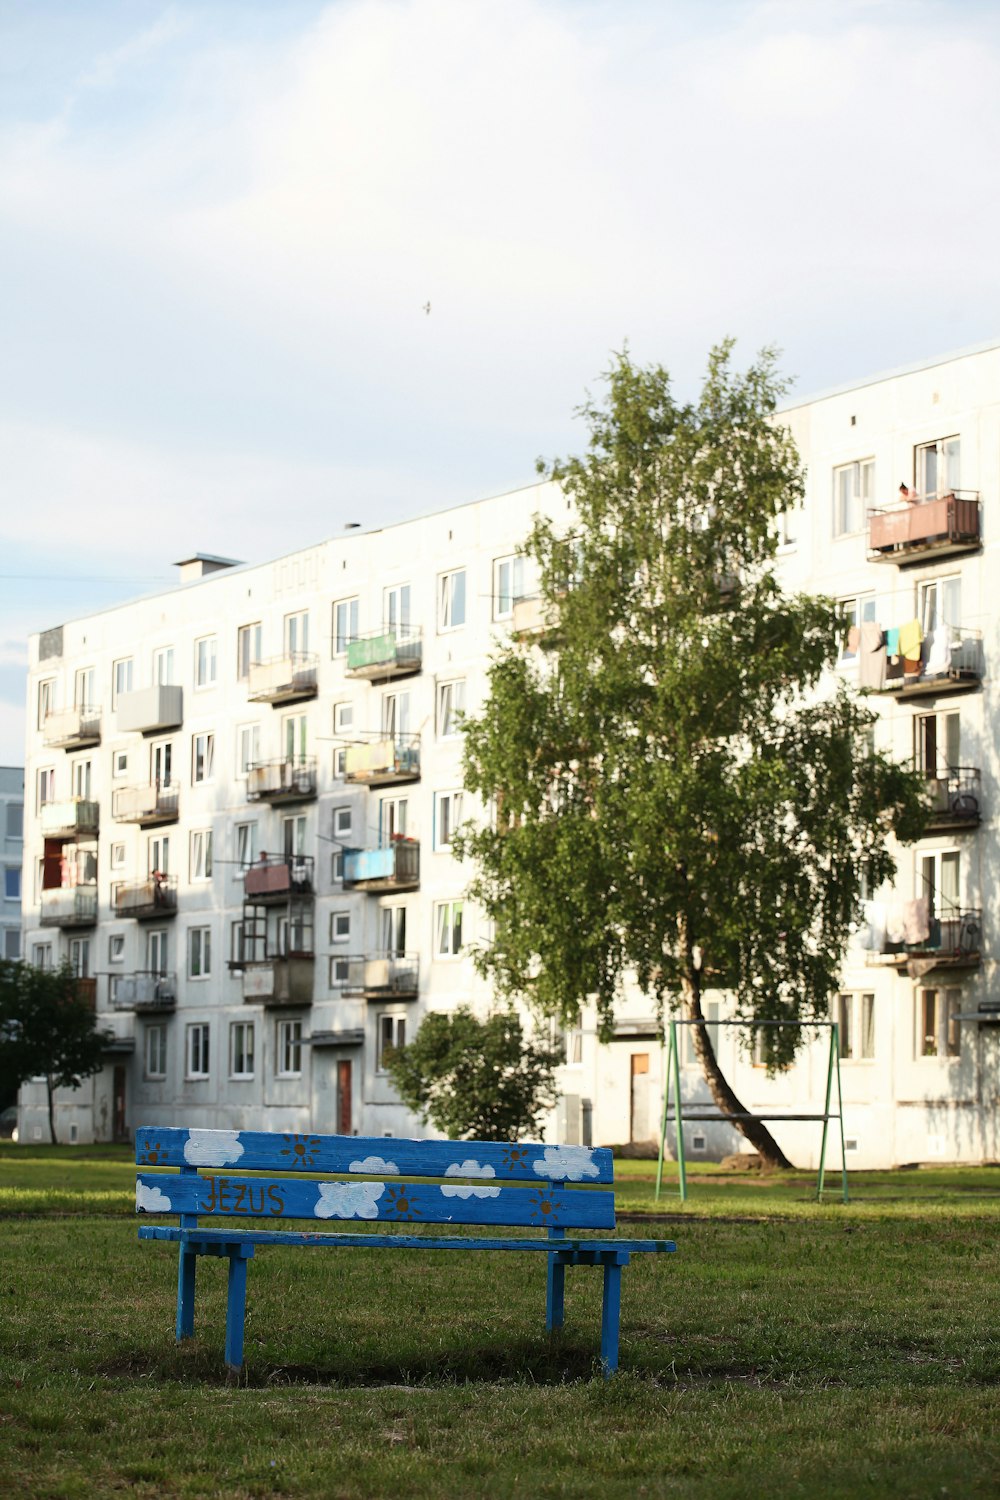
x=470, y=1192
x=373, y=1165
x=567, y=1163
x=470, y=1168
x=212, y=1148
x=150, y=1200
x=349, y=1200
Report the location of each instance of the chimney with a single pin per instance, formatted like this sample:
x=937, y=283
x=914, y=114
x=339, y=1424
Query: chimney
x=202, y=563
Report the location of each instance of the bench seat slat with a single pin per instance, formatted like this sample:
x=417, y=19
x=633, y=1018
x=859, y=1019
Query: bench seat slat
x=571, y=1249
x=421, y=1203
x=373, y=1156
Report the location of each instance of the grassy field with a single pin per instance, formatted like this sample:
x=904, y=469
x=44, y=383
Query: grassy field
x=788, y=1348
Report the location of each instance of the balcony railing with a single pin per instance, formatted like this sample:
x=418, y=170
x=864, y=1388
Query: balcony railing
x=69, y=906
x=950, y=660
x=145, y=990
x=276, y=878
x=282, y=780
x=69, y=819
x=904, y=934
x=382, y=976
x=391, y=867
x=534, y=620
x=147, y=804
x=936, y=524
x=72, y=728
x=151, y=709
x=284, y=679
x=393, y=651
x=155, y=897
x=279, y=981
x=385, y=762
x=956, y=799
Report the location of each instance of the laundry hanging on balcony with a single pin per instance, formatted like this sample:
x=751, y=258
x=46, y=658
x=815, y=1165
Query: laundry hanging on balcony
x=871, y=657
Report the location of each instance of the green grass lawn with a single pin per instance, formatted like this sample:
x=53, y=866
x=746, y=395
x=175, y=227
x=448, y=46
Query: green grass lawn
x=788, y=1348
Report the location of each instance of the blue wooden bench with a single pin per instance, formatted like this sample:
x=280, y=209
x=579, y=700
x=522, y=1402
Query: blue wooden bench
x=331, y=1179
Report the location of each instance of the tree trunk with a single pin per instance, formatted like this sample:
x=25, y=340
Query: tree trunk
x=50, y=1090
x=756, y=1133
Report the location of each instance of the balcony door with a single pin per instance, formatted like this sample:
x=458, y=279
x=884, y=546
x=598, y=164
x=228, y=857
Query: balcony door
x=161, y=758
x=159, y=855
x=393, y=933
x=295, y=736
x=396, y=610
x=938, y=746
x=393, y=818
x=940, y=603
x=83, y=688
x=940, y=881
x=395, y=715
x=156, y=951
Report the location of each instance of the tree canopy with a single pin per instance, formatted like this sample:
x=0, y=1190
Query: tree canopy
x=478, y=1079
x=47, y=1029
x=685, y=798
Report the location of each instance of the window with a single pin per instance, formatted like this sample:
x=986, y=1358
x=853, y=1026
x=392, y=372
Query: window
x=450, y=707
x=340, y=927
x=342, y=822
x=116, y=948
x=788, y=527
x=296, y=633
x=392, y=930
x=343, y=717
x=395, y=715
x=855, y=612
x=202, y=757
x=289, y=1049
x=939, y=602
x=201, y=855
x=46, y=700
x=206, y=653
x=46, y=786
x=41, y=955
x=81, y=776
x=294, y=735
x=853, y=493
x=12, y=942
x=15, y=820
x=119, y=763
x=451, y=600
x=239, y=947
x=396, y=609
x=197, y=1051
x=83, y=688
x=340, y=973
x=12, y=883
x=937, y=746
x=391, y=1033
x=163, y=666
x=293, y=835
x=247, y=747
x=508, y=585
x=345, y=625
x=241, y=1049
x=158, y=854
x=940, y=882
x=447, y=929
x=938, y=467
x=199, y=952
x=855, y=1016
x=117, y=856
x=448, y=816
x=156, y=1052
x=337, y=867
x=248, y=648
x=246, y=848
x=156, y=950
x=121, y=678
x=393, y=818
x=161, y=759
x=939, y=1031
x=340, y=763
x=79, y=957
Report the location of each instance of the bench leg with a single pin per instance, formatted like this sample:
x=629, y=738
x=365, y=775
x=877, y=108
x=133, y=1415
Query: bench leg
x=236, y=1307
x=186, y=1267
x=554, y=1289
x=610, y=1317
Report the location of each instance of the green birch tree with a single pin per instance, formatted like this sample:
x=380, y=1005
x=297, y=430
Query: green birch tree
x=47, y=1029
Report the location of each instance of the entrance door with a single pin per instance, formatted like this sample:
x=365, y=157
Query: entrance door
x=640, y=1130
x=344, y=1096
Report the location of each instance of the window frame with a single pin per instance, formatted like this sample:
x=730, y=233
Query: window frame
x=443, y=836
x=206, y=662
x=200, y=856
x=197, y=1051
x=199, y=953
x=155, y=1073
x=251, y=656
x=342, y=639
x=449, y=918
x=454, y=710
x=203, y=757
x=288, y=1049
x=947, y=1027
x=863, y=497
x=447, y=593
x=241, y=1053
x=855, y=1016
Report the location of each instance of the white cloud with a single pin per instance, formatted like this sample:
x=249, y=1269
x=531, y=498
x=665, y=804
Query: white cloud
x=212, y=1148
x=349, y=1200
x=470, y=1192
x=470, y=1168
x=150, y=1200
x=567, y=1163
x=371, y=1166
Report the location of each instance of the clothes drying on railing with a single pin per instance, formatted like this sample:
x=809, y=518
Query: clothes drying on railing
x=893, y=923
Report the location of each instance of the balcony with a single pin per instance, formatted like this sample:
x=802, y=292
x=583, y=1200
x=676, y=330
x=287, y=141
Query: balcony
x=385, y=762
x=532, y=620
x=147, y=804
x=282, y=780
x=76, y=817
x=956, y=800
x=147, y=899
x=279, y=981
x=275, y=879
x=72, y=728
x=953, y=941
x=284, y=679
x=145, y=991
x=151, y=709
x=383, y=654
x=383, y=976
x=950, y=661
x=86, y=990
x=391, y=867
x=935, y=526
x=69, y=906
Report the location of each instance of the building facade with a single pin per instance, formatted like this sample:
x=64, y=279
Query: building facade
x=241, y=796
x=12, y=832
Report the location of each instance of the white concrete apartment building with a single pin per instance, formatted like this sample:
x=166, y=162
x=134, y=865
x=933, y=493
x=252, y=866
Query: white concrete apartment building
x=304, y=710
x=11, y=833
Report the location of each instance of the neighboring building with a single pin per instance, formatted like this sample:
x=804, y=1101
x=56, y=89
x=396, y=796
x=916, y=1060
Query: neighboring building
x=241, y=796
x=12, y=834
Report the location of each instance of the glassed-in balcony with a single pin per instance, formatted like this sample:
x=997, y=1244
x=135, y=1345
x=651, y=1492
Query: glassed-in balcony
x=394, y=651
x=394, y=866
x=72, y=818
x=275, y=878
x=384, y=762
x=279, y=981
x=948, y=659
x=146, y=899
x=292, y=780
x=151, y=709
x=936, y=525
x=956, y=799
x=145, y=990
x=382, y=976
x=72, y=728
x=69, y=906
x=284, y=679
x=149, y=803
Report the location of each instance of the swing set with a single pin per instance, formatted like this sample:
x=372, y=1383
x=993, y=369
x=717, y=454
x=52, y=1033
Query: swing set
x=683, y=1115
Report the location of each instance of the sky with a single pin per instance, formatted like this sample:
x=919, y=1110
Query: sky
x=222, y=221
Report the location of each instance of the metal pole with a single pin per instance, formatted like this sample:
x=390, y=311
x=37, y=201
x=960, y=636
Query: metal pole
x=843, y=1147
x=663, y=1121
x=681, y=1170
x=834, y=1048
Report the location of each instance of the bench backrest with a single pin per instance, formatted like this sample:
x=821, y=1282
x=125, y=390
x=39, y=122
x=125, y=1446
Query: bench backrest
x=478, y=1182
